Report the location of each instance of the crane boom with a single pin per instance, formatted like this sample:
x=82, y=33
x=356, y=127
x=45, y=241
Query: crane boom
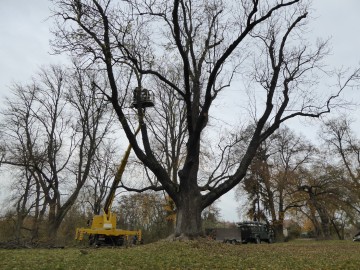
x=118, y=177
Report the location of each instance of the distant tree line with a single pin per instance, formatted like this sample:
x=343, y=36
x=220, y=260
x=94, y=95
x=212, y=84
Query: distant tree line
x=59, y=148
x=314, y=185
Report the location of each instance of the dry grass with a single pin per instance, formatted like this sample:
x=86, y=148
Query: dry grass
x=192, y=255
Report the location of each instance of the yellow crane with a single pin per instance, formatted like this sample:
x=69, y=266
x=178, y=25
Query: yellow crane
x=103, y=227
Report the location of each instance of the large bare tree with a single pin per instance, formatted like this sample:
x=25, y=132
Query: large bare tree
x=209, y=44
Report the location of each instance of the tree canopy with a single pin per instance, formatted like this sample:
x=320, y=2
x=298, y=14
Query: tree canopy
x=198, y=50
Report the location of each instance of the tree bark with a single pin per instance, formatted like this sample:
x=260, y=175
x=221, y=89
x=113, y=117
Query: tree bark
x=324, y=218
x=279, y=227
x=188, y=219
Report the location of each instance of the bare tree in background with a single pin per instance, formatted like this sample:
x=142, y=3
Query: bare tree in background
x=168, y=127
x=209, y=44
x=102, y=172
x=19, y=126
x=344, y=147
x=67, y=126
x=339, y=137
x=272, y=179
x=321, y=188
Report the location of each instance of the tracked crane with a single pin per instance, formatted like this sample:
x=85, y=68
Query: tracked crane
x=103, y=228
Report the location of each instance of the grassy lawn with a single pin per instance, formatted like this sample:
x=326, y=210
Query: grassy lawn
x=303, y=254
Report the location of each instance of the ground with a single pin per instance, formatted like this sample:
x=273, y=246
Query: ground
x=301, y=254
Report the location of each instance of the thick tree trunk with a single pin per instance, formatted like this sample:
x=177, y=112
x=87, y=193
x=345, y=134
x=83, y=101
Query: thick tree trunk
x=188, y=218
x=279, y=232
x=325, y=224
x=324, y=218
x=52, y=226
x=279, y=225
x=18, y=226
x=52, y=231
x=37, y=215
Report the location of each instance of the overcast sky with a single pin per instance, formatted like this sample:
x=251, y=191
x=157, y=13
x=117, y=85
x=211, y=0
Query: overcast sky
x=24, y=40
x=24, y=45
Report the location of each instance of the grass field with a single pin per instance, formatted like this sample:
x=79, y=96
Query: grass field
x=301, y=254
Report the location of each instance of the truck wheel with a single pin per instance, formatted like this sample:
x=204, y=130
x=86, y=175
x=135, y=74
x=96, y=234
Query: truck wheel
x=91, y=239
x=94, y=241
x=120, y=241
x=257, y=240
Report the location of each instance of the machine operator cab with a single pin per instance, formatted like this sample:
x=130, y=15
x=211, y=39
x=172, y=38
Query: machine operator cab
x=143, y=98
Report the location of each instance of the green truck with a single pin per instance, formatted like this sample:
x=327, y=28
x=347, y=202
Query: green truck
x=244, y=232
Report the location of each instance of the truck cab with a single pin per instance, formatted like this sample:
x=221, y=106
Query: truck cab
x=255, y=232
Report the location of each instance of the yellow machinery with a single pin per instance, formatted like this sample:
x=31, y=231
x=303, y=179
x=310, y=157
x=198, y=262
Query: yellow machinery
x=103, y=227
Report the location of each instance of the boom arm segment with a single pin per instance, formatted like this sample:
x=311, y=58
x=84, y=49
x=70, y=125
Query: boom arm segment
x=118, y=176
